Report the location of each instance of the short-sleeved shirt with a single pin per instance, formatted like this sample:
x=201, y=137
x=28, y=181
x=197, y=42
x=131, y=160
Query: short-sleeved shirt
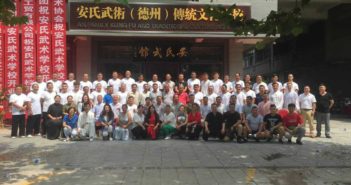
x=214, y=121
x=254, y=122
x=272, y=120
x=323, y=102
x=56, y=110
x=306, y=101
x=34, y=99
x=196, y=117
x=247, y=109
x=231, y=118
x=72, y=122
x=293, y=119
x=19, y=100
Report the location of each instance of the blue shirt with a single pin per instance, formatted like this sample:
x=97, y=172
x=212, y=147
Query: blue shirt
x=71, y=122
x=108, y=99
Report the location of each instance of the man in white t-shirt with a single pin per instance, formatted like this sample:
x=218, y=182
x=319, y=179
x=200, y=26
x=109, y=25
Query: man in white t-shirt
x=85, y=82
x=47, y=98
x=100, y=80
x=98, y=91
x=248, y=92
x=295, y=86
x=128, y=81
x=225, y=95
x=40, y=82
x=155, y=80
x=205, y=82
x=34, y=111
x=211, y=95
x=192, y=81
x=217, y=83
x=114, y=82
x=198, y=94
x=258, y=83
x=70, y=82
x=64, y=93
x=240, y=96
x=275, y=79
x=18, y=102
x=237, y=80
x=122, y=94
x=140, y=83
x=307, y=103
x=169, y=82
x=291, y=96
x=56, y=82
x=229, y=84
x=276, y=97
x=76, y=93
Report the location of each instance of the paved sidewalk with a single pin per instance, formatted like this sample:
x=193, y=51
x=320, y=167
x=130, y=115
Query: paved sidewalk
x=318, y=161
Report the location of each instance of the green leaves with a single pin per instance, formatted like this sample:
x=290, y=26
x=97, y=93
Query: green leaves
x=7, y=14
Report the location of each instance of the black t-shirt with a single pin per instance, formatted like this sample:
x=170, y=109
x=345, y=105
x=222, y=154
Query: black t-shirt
x=258, y=99
x=231, y=118
x=271, y=120
x=214, y=121
x=323, y=102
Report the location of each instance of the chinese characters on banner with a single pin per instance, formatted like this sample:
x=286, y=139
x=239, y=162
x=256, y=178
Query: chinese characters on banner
x=28, y=44
x=158, y=52
x=44, y=38
x=1, y=57
x=12, y=73
x=59, y=38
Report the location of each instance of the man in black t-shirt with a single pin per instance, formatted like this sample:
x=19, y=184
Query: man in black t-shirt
x=273, y=125
x=214, y=126
x=233, y=125
x=324, y=103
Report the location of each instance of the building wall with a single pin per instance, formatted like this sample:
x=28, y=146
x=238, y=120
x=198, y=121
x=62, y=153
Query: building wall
x=83, y=56
x=235, y=57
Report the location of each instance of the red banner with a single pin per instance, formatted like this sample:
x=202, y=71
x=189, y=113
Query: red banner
x=59, y=38
x=44, y=38
x=28, y=44
x=12, y=73
x=1, y=57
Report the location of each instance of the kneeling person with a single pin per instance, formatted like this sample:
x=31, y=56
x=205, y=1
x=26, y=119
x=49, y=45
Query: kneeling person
x=273, y=125
x=86, y=123
x=254, y=123
x=233, y=124
x=70, y=124
x=214, y=125
x=293, y=125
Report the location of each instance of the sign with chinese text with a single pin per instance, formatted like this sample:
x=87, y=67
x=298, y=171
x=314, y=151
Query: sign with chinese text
x=1, y=57
x=162, y=52
x=44, y=38
x=28, y=43
x=12, y=72
x=147, y=17
x=59, y=38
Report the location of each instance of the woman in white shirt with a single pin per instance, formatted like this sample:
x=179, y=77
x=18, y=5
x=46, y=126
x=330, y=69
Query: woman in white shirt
x=169, y=123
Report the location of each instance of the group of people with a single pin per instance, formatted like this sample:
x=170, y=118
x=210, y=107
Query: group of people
x=123, y=108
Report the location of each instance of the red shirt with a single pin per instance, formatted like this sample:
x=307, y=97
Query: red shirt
x=283, y=113
x=196, y=117
x=152, y=119
x=183, y=98
x=293, y=119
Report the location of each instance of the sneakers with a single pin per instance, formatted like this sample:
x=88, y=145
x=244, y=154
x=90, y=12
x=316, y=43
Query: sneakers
x=289, y=141
x=281, y=141
x=167, y=138
x=328, y=136
x=299, y=142
x=29, y=136
x=39, y=134
x=318, y=135
x=269, y=139
x=111, y=139
x=23, y=136
x=226, y=139
x=13, y=137
x=91, y=139
x=238, y=139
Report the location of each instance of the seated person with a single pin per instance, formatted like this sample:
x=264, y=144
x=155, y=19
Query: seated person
x=272, y=125
x=181, y=122
x=86, y=123
x=70, y=124
x=214, y=125
x=168, y=124
x=138, y=127
x=152, y=122
x=233, y=124
x=194, y=126
x=55, y=116
x=106, y=119
x=124, y=120
x=254, y=123
x=293, y=125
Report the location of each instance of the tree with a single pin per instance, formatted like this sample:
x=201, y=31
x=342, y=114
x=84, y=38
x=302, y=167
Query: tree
x=7, y=14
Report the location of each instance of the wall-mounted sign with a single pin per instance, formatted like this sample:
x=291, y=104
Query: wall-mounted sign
x=146, y=17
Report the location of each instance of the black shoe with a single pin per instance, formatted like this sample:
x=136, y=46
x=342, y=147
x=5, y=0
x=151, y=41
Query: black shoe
x=269, y=139
x=238, y=139
x=257, y=140
x=299, y=142
x=318, y=135
x=244, y=140
x=281, y=141
x=289, y=141
x=328, y=136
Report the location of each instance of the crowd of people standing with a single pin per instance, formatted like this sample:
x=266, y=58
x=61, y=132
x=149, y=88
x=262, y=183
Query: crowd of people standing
x=123, y=108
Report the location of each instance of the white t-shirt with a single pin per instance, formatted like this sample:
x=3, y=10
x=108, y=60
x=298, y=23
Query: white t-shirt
x=159, y=85
x=217, y=85
x=250, y=93
x=102, y=82
x=96, y=94
x=122, y=97
x=191, y=84
x=64, y=97
x=140, y=86
x=115, y=84
x=240, y=98
x=212, y=98
x=306, y=101
x=291, y=97
x=204, y=87
x=34, y=99
x=138, y=119
x=256, y=87
x=198, y=97
x=70, y=85
x=57, y=85
x=277, y=98
x=226, y=98
x=205, y=109
x=42, y=86
x=116, y=108
x=132, y=109
x=240, y=82
x=170, y=83
x=170, y=117
x=19, y=100
x=87, y=83
x=270, y=87
x=49, y=98
x=294, y=87
x=230, y=86
x=129, y=82
x=76, y=96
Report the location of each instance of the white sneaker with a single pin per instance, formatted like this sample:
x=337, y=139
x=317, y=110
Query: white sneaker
x=13, y=137
x=39, y=134
x=23, y=136
x=91, y=139
x=111, y=139
x=29, y=136
x=167, y=138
